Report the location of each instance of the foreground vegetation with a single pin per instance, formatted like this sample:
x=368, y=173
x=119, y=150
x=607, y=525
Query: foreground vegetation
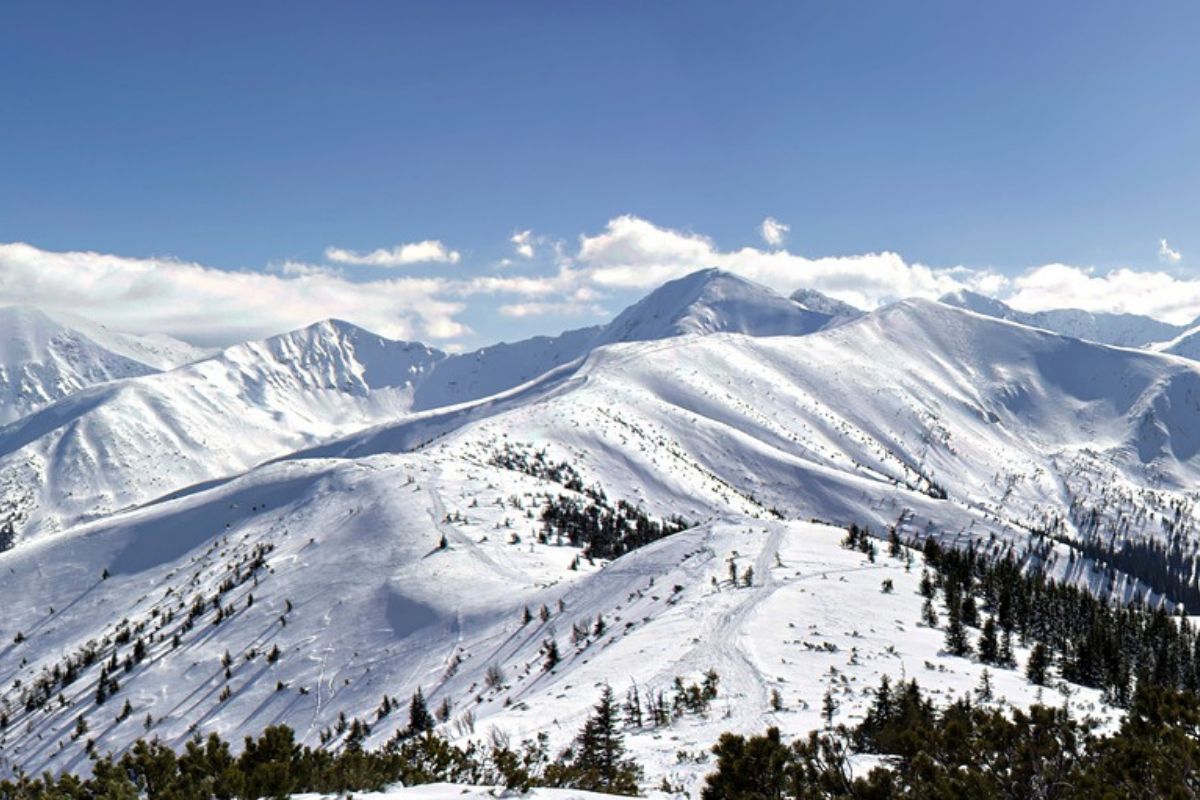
x=968, y=750
x=1142, y=657
x=275, y=766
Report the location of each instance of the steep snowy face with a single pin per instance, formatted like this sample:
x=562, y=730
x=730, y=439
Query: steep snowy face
x=335, y=355
x=42, y=360
x=1122, y=330
x=1185, y=345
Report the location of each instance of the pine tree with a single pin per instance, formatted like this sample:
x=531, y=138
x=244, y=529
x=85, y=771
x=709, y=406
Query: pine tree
x=929, y=614
x=970, y=613
x=894, y=548
x=989, y=645
x=550, y=648
x=983, y=692
x=956, y=634
x=1038, y=664
x=926, y=587
x=1006, y=658
x=419, y=718
x=829, y=707
x=600, y=759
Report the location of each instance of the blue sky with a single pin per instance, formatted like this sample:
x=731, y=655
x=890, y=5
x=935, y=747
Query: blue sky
x=973, y=143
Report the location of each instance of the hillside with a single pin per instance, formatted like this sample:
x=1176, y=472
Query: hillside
x=45, y=358
x=325, y=584
x=1019, y=430
x=126, y=442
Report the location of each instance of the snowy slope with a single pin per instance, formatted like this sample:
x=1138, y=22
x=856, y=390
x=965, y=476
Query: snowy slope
x=127, y=442
x=1123, y=330
x=864, y=421
x=1185, y=345
x=360, y=601
x=821, y=303
x=44, y=358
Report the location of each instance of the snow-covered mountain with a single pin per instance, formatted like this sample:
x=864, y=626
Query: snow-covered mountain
x=128, y=442
x=44, y=358
x=1123, y=330
x=708, y=301
x=1186, y=344
x=1019, y=429
x=394, y=538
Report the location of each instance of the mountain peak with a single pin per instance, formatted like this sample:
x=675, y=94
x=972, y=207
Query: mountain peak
x=712, y=301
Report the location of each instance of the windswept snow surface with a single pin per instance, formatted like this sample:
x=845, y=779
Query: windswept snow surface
x=708, y=301
x=127, y=442
x=1019, y=429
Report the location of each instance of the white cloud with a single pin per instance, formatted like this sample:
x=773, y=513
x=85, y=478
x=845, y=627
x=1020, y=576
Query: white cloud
x=629, y=255
x=564, y=309
x=1167, y=254
x=216, y=307
x=773, y=231
x=565, y=281
x=301, y=268
x=1155, y=294
x=426, y=252
x=522, y=242
x=632, y=253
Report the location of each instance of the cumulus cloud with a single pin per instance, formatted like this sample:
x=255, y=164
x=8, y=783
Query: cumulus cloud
x=429, y=251
x=1154, y=294
x=773, y=231
x=522, y=242
x=633, y=253
x=629, y=255
x=1167, y=254
x=210, y=306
